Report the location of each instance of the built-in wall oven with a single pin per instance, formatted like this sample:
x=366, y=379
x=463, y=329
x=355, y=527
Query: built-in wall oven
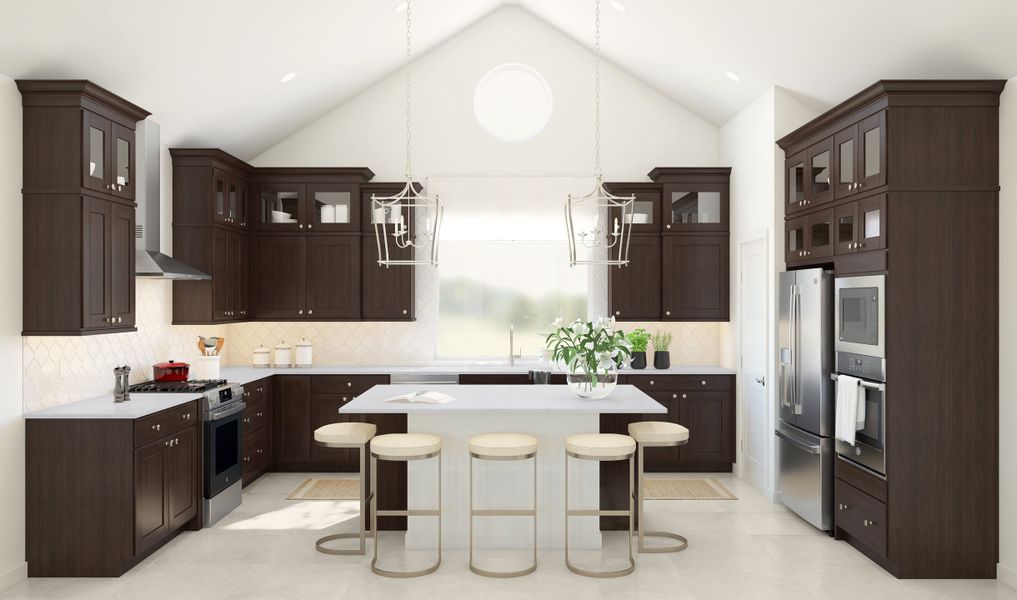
x=860, y=342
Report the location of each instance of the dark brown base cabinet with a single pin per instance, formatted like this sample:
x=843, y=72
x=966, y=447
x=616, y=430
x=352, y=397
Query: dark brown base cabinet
x=915, y=181
x=102, y=494
x=78, y=203
x=678, y=256
x=257, y=430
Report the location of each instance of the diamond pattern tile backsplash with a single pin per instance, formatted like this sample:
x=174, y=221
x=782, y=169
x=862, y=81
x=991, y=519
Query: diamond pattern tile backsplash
x=58, y=370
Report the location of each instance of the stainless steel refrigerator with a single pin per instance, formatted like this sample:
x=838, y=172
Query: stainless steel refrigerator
x=806, y=395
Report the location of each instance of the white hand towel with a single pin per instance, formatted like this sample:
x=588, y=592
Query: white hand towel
x=849, y=390
x=425, y=397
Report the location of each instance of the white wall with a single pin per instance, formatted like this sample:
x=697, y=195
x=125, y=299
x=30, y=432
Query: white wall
x=12, y=425
x=641, y=128
x=1007, y=570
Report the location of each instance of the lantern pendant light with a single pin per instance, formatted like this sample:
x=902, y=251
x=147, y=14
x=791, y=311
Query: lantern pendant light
x=407, y=220
x=611, y=229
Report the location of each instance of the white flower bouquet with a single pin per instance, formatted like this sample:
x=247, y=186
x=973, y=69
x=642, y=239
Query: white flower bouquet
x=593, y=349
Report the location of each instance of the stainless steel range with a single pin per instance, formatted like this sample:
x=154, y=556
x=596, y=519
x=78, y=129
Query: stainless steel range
x=222, y=407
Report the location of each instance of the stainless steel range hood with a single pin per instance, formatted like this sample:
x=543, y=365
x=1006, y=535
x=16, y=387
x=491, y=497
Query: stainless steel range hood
x=150, y=261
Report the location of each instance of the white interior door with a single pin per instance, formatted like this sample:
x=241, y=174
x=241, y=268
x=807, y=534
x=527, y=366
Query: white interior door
x=754, y=361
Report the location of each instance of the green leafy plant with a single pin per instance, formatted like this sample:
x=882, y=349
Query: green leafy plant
x=639, y=338
x=662, y=341
x=592, y=347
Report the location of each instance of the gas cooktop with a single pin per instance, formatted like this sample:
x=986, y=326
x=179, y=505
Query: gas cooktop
x=181, y=387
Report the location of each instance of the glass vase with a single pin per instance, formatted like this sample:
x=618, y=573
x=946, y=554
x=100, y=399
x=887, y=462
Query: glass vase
x=596, y=386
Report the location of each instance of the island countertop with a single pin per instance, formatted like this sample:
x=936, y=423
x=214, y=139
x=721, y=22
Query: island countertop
x=624, y=399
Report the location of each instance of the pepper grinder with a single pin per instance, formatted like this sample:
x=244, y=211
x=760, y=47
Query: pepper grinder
x=121, y=391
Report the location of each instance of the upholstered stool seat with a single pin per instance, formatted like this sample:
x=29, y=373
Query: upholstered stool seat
x=403, y=447
x=600, y=447
x=345, y=435
x=504, y=447
x=655, y=434
x=348, y=435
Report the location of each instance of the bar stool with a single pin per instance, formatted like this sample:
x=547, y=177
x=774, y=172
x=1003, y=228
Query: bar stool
x=347, y=435
x=656, y=434
x=403, y=447
x=599, y=447
x=504, y=446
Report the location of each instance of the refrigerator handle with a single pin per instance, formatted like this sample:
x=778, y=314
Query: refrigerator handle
x=791, y=330
x=798, y=334
x=811, y=449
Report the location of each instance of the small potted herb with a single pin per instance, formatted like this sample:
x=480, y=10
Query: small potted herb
x=661, y=355
x=640, y=339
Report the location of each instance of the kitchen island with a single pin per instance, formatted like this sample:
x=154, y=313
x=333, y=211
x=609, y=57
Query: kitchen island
x=548, y=412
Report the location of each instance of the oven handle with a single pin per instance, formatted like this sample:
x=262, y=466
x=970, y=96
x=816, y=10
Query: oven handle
x=811, y=449
x=880, y=387
x=218, y=416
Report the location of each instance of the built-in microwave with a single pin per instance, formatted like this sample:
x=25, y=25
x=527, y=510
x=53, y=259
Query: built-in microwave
x=860, y=316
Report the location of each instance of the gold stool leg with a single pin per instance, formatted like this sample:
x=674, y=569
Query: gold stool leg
x=362, y=534
x=403, y=513
x=630, y=513
x=643, y=549
x=505, y=513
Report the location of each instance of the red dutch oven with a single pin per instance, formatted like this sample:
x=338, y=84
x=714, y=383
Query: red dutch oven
x=170, y=371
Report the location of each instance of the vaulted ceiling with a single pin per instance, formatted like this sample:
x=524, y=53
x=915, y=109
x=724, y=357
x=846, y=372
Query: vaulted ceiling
x=210, y=71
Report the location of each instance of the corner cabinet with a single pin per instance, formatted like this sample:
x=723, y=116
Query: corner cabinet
x=79, y=212
x=678, y=254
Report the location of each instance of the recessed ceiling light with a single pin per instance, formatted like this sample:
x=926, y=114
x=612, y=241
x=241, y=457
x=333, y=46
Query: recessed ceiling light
x=732, y=76
x=618, y=6
x=288, y=77
x=401, y=7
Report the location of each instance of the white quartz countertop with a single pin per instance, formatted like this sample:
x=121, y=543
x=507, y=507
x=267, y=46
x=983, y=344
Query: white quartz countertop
x=503, y=398
x=103, y=407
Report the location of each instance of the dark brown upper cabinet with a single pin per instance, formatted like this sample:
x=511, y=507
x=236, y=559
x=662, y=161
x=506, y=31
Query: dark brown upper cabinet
x=695, y=282
x=229, y=199
x=811, y=237
x=371, y=215
x=694, y=200
x=333, y=207
x=646, y=208
x=634, y=289
x=280, y=273
x=333, y=277
x=387, y=293
x=282, y=207
x=794, y=182
x=861, y=156
x=225, y=255
x=819, y=167
x=210, y=187
x=310, y=200
x=78, y=207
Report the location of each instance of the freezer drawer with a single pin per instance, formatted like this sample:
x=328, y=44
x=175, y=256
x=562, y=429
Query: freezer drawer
x=806, y=475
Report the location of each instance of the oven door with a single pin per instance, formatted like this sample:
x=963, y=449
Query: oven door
x=222, y=450
x=870, y=441
x=860, y=315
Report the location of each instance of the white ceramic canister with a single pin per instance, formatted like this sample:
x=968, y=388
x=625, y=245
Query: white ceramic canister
x=328, y=213
x=283, y=356
x=303, y=353
x=262, y=357
x=205, y=367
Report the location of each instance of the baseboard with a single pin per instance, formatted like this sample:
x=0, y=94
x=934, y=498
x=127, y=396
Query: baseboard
x=14, y=576
x=1006, y=575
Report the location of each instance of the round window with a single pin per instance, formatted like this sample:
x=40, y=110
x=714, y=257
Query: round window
x=513, y=102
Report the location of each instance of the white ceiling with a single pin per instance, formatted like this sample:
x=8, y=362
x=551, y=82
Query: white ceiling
x=210, y=71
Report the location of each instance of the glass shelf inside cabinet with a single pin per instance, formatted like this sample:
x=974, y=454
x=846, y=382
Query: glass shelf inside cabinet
x=695, y=207
x=280, y=206
x=332, y=207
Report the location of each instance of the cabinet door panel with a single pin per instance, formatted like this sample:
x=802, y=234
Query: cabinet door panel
x=281, y=277
x=123, y=255
x=845, y=151
x=97, y=263
x=846, y=228
x=820, y=234
x=233, y=276
x=220, y=197
x=281, y=207
x=333, y=277
x=151, y=513
x=634, y=289
x=243, y=277
x=95, y=155
x=794, y=240
x=872, y=151
x=663, y=459
x=695, y=207
x=794, y=184
x=646, y=208
x=221, y=284
x=122, y=161
x=695, y=278
x=325, y=410
x=292, y=419
x=183, y=479
x=872, y=222
x=709, y=417
x=388, y=293
x=819, y=167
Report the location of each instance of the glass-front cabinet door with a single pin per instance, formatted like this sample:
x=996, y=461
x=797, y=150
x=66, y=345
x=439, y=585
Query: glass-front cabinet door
x=845, y=149
x=820, y=233
x=820, y=171
x=846, y=228
x=332, y=207
x=281, y=207
x=220, y=197
x=872, y=223
x=98, y=132
x=122, y=162
x=794, y=240
x=243, y=199
x=872, y=147
x=695, y=207
x=795, y=182
x=645, y=213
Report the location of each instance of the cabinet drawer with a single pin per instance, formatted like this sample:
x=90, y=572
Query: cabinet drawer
x=656, y=383
x=254, y=416
x=338, y=384
x=255, y=391
x=153, y=427
x=860, y=478
x=254, y=454
x=860, y=515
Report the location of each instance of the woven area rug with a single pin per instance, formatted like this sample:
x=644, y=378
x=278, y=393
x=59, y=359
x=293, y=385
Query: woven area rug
x=657, y=488
x=326, y=489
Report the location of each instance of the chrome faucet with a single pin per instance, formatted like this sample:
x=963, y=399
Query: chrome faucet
x=512, y=346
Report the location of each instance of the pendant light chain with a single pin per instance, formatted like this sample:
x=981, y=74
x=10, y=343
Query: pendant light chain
x=409, y=64
x=597, y=171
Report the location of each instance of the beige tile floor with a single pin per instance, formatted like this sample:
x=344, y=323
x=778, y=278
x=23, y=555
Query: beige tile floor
x=747, y=548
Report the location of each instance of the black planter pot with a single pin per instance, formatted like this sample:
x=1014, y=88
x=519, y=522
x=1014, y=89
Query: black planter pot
x=638, y=360
x=661, y=360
